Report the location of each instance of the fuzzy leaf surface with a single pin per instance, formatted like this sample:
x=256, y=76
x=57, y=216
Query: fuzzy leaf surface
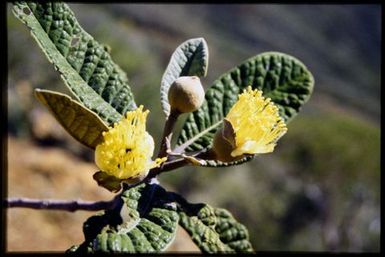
x=85, y=65
x=189, y=59
x=214, y=230
x=281, y=77
x=146, y=224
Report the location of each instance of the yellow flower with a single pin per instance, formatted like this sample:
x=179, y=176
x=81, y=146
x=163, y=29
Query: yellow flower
x=252, y=126
x=127, y=148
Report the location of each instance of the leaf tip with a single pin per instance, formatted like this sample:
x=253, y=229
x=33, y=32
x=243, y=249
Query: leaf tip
x=39, y=94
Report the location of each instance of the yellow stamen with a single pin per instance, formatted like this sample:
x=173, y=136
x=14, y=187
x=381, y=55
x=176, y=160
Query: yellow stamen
x=127, y=147
x=256, y=123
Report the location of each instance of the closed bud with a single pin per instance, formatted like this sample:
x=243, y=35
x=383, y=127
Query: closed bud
x=186, y=94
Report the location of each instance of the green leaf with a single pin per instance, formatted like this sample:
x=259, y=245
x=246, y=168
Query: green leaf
x=81, y=123
x=189, y=59
x=147, y=219
x=146, y=223
x=215, y=230
x=281, y=77
x=112, y=183
x=215, y=163
x=84, y=64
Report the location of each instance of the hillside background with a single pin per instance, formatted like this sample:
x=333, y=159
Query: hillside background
x=318, y=191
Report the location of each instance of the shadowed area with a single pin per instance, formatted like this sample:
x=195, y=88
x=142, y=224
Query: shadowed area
x=318, y=191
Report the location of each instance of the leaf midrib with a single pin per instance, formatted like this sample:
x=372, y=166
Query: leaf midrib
x=186, y=144
x=61, y=64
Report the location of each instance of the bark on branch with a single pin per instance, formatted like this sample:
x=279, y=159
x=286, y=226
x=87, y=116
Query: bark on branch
x=60, y=204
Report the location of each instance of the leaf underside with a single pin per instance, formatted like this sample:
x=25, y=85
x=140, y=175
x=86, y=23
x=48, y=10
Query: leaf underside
x=112, y=183
x=85, y=65
x=281, y=77
x=149, y=217
x=189, y=59
x=81, y=123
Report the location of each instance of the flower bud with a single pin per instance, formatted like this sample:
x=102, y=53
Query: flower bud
x=186, y=94
x=224, y=143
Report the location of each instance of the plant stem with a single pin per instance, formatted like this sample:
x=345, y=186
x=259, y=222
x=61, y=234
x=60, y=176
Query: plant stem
x=60, y=204
x=165, y=145
x=113, y=203
x=73, y=205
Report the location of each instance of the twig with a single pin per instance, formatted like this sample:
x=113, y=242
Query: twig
x=72, y=206
x=61, y=204
x=165, y=145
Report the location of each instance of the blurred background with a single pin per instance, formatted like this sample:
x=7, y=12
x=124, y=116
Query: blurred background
x=318, y=191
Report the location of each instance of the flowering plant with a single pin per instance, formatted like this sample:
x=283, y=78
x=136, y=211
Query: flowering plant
x=242, y=114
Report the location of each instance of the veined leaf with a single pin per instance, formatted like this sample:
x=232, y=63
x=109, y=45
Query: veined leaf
x=189, y=59
x=146, y=223
x=281, y=77
x=84, y=64
x=215, y=230
x=81, y=123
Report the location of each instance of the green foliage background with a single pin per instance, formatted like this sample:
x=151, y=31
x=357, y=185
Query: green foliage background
x=320, y=189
